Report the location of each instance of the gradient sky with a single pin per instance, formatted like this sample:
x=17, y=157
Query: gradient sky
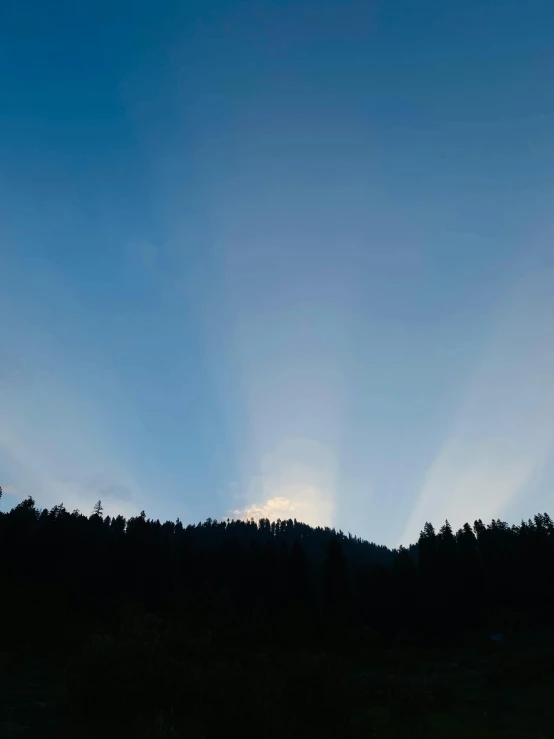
x=291, y=258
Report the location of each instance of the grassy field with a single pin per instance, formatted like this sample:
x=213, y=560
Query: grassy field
x=487, y=690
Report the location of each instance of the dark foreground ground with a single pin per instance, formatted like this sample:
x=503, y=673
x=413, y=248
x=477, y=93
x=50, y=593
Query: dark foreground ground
x=136, y=687
x=117, y=628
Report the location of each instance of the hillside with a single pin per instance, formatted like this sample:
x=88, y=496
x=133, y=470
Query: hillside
x=146, y=628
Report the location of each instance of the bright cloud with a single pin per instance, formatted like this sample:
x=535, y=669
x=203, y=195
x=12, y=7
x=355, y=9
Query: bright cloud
x=306, y=505
x=297, y=481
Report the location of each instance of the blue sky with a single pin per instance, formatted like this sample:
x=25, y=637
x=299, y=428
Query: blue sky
x=278, y=258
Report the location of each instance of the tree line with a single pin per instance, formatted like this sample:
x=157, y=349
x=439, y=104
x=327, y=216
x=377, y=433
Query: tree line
x=270, y=582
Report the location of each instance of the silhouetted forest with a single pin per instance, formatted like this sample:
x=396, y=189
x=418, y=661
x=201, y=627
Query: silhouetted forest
x=162, y=623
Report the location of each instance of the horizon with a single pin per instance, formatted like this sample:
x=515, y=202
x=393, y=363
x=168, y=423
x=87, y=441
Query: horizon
x=98, y=510
x=279, y=259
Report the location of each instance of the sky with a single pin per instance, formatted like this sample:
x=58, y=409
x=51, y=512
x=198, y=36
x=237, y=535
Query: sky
x=289, y=259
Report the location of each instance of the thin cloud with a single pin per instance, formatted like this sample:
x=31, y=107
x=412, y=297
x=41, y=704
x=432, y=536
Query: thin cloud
x=39, y=470
x=504, y=433
x=106, y=488
x=50, y=446
x=143, y=255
